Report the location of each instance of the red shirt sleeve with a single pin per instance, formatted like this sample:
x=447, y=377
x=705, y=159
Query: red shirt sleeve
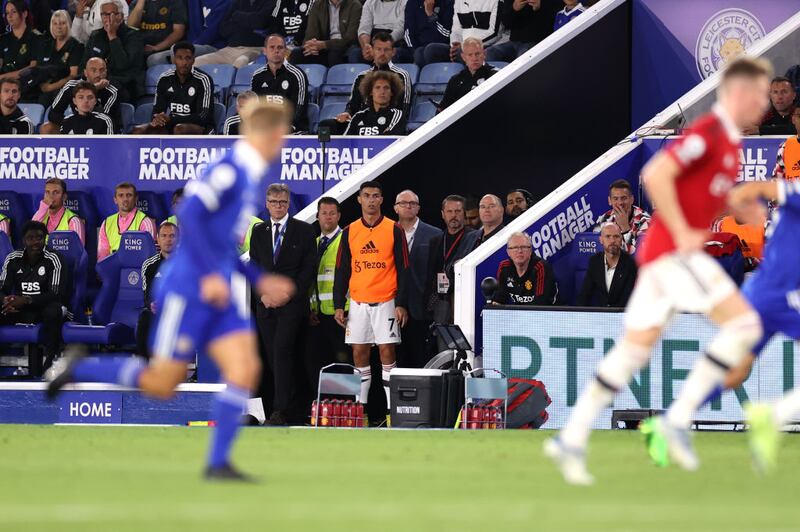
x=692, y=149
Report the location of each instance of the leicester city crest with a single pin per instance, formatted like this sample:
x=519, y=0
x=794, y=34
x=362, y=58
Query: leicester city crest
x=724, y=37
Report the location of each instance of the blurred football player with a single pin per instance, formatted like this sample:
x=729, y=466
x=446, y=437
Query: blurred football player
x=689, y=181
x=201, y=297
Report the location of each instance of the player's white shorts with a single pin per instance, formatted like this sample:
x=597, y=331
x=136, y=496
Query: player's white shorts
x=372, y=323
x=673, y=283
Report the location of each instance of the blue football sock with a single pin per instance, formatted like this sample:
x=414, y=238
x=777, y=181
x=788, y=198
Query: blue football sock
x=124, y=371
x=229, y=406
x=716, y=392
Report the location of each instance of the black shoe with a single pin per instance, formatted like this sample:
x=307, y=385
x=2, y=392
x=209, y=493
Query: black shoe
x=277, y=419
x=227, y=473
x=61, y=373
x=250, y=421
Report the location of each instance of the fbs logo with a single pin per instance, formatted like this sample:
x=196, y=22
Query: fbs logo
x=369, y=247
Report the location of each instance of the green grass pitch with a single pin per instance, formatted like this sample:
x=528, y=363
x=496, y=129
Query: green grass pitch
x=148, y=479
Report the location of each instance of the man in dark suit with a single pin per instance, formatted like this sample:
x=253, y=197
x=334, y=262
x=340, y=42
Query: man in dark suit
x=447, y=249
x=413, y=351
x=612, y=273
x=287, y=246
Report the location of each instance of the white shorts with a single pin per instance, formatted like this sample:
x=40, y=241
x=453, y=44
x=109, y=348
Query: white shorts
x=372, y=323
x=673, y=283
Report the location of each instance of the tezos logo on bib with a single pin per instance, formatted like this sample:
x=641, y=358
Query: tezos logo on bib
x=724, y=37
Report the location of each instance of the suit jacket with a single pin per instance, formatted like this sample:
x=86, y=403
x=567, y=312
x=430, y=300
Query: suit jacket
x=418, y=257
x=594, y=292
x=441, y=305
x=297, y=259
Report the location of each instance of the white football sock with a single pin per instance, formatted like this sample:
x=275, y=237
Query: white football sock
x=366, y=382
x=385, y=369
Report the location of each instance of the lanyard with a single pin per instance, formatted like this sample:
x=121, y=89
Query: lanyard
x=452, y=247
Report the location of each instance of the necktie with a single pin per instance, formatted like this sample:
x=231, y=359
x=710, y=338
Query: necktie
x=276, y=246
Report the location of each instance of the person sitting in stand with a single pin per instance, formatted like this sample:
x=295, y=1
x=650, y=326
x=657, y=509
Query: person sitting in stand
x=19, y=46
x=231, y=125
x=477, y=72
x=789, y=150
x=184, y=98
x=88, y=18
x=611, y=275
x=95, y=73
x=632, y=220
x=128, y=218
x=382, y=90
x=162, y=23
x=167, y=240
x=778, y=120
x=54, y=214
x=524, y=278
x=12, y=120
x=86, y=121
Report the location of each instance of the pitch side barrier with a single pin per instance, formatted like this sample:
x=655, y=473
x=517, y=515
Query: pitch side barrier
x=780, y=46
x=571, y=209
x=526, y=116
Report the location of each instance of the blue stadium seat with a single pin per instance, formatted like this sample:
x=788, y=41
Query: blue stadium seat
x=127, y=112
x=316, y=79
x=498, y=64
x=330, y=110
x=241, y=81
x=223, y=79
x=220, y=113
x=143, y=114
x=117, y=306
x=583, y=247
x=260, y=60
x=16, y=207
x=335, y=98
x=151, y=77
x=313, y=117
x=412, y=69
x=231, y=109
x=5, y=247
x=423, y=111
x=152, y=204
x=69, y=246
x=34, y=111
x=434, y=77
x=341, y=77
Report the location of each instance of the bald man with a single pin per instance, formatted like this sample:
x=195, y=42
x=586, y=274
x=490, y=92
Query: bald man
x=412, y=353
x=490, y=211
x=96, y=73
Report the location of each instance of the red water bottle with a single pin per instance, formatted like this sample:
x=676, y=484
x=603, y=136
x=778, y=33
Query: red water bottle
x=488, y=418
x=498, y=416
x=359, y=415
x=347, y=412
x=474, y=416
x=325, y=414
x=337, y=413
x=314, y=413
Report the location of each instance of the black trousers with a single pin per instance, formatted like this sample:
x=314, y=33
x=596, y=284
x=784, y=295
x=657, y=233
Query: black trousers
x=281, y=334
x=414, y=352
x=143, y=332
x=328, y=58
x=51, y=318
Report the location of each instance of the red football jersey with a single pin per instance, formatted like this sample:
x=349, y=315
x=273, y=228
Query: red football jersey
x=708, y=156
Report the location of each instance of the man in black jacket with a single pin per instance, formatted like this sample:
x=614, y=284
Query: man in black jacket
x=475, y=73
x=287, y=246
x=33, y=287
x=86, y=120
x=167, y=240
x=524, y=278
x=530, y=21
x=611, y=275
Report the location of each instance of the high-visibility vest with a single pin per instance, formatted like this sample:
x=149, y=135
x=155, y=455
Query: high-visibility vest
x=791, y=158
x=112, y=229
x=244, y=245
x=173, y=219
x=324, y=284
x=63, y=224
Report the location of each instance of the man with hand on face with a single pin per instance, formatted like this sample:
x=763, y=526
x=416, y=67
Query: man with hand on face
x=373, y=267
x=54, y=214
x=447, y=249
x=128, y=218
x=107, y=95
x=611, y=275
x=33, y=287
x=86, y=121
x=631, y=220
x=184, y=102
